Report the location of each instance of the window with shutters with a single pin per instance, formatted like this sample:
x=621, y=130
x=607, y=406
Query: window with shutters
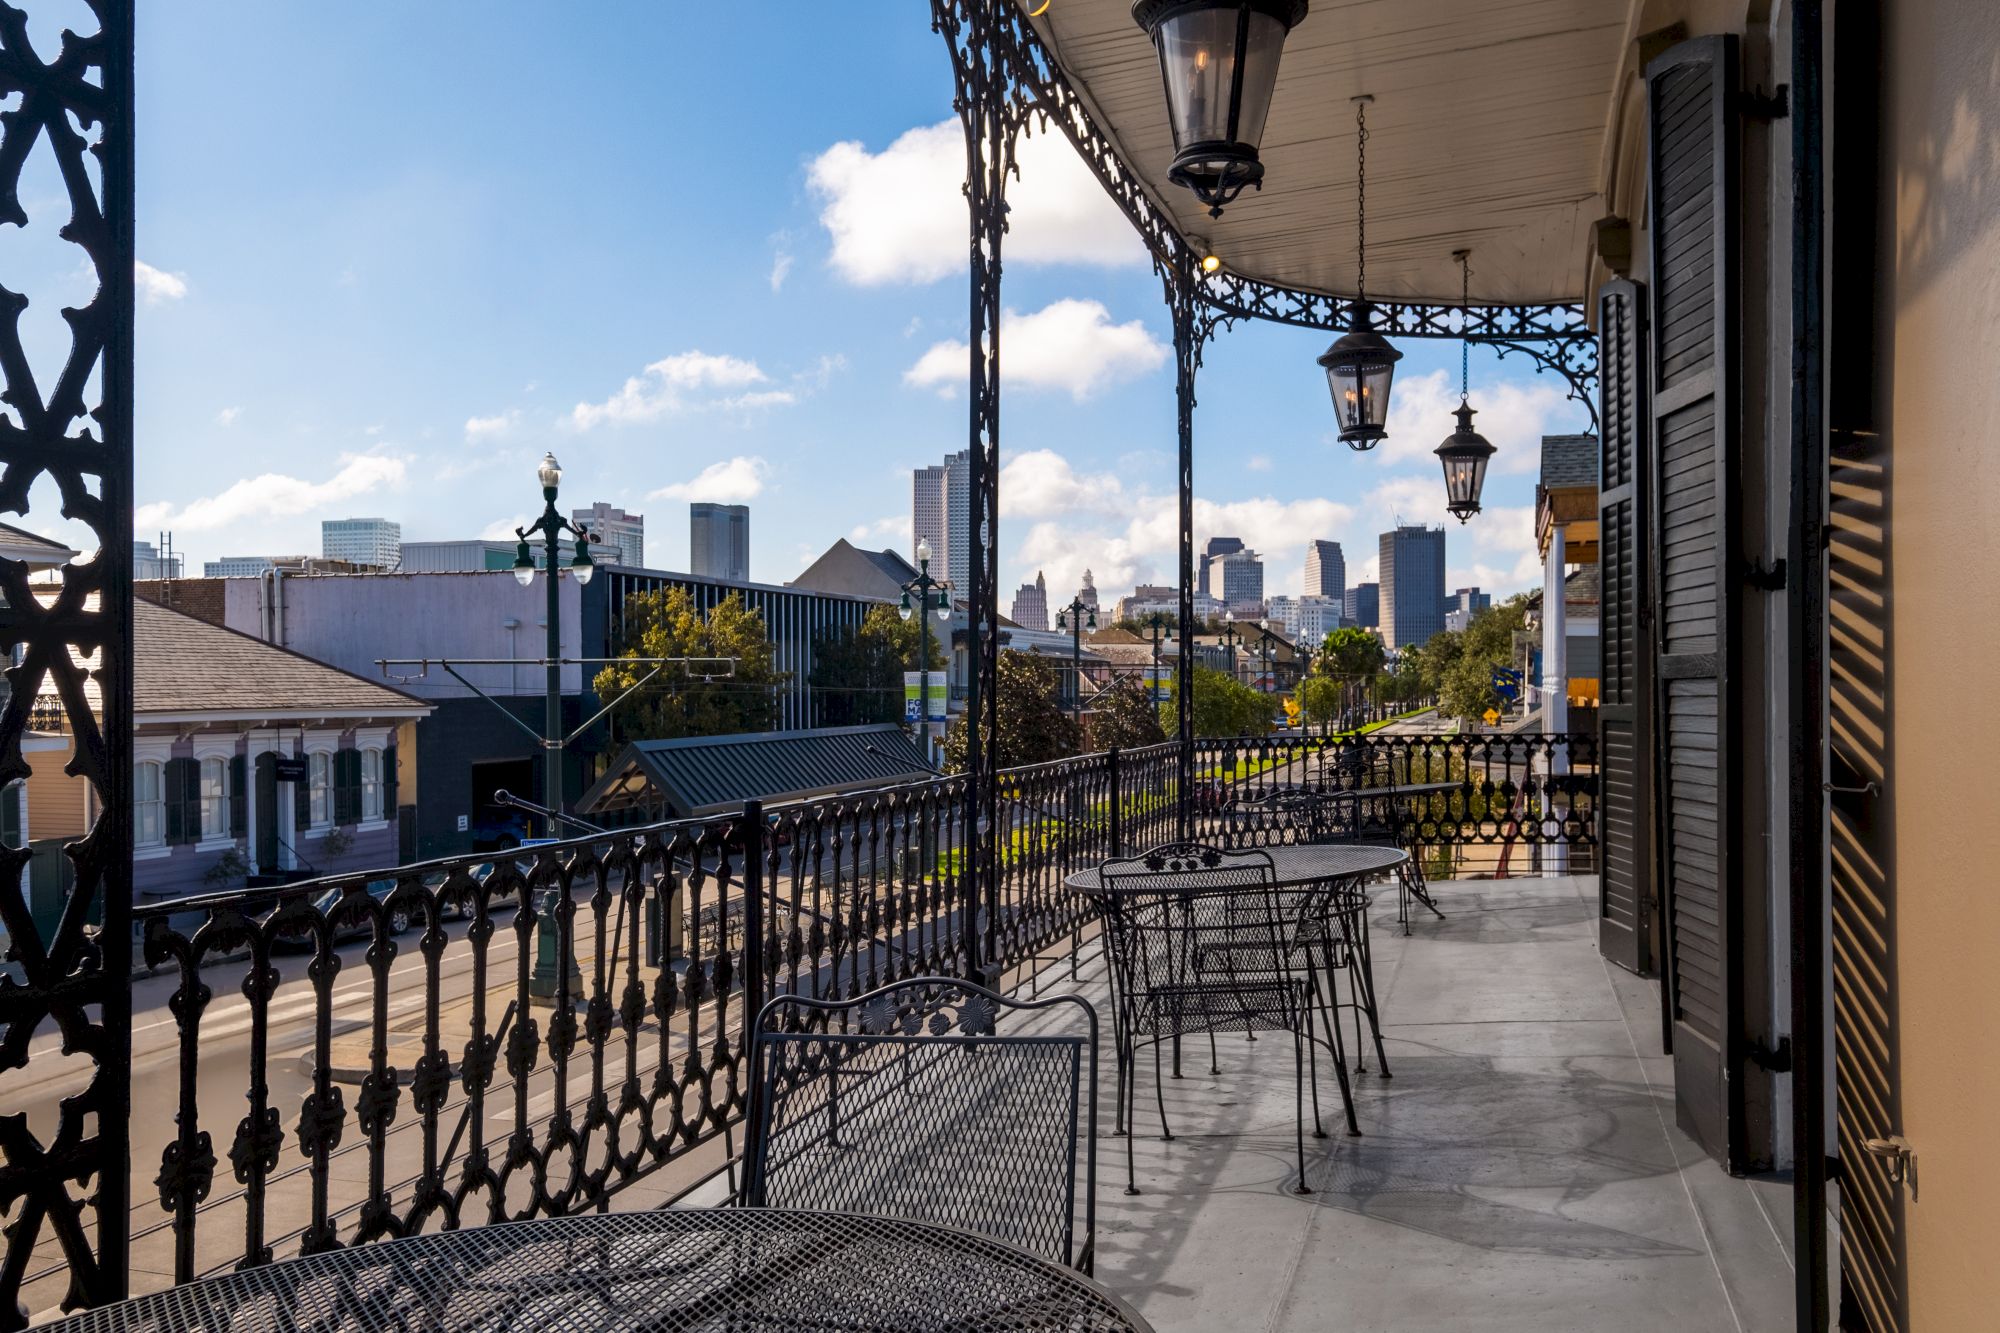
x=149, y=804
x=214, y=799
x=319, y=785
x=371, y=784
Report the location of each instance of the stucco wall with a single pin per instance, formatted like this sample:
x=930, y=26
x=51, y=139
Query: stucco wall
x=1943, y=129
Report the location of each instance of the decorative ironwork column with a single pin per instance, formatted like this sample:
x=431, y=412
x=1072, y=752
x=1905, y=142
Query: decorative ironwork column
x=983, y=97
x=72, y=1187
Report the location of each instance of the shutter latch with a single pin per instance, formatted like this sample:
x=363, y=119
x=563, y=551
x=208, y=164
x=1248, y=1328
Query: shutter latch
x=1768, y=576
x=1766, y=106
x=1902, y=1161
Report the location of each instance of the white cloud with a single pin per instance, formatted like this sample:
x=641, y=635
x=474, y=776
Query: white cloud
x=686, y=380
x=1041, y=481
x=1513, y=414
x=729, y=482
x=157, y=285
x=227, y=416
x=899, y=215
x=486, y=428
x=1257, y=463
x=1068, y=344
x=274, y=495
x=781, y=267
x=895, y=526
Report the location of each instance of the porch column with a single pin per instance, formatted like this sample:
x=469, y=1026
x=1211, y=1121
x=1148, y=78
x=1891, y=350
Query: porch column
x=1190, y=331
x=1555, y=678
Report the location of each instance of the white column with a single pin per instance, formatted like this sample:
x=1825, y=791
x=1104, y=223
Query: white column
x=1555, y=674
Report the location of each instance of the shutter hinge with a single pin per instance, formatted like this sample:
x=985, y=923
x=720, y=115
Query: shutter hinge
x=1769, y=576
x=1772, y=1060
x=1766, y=106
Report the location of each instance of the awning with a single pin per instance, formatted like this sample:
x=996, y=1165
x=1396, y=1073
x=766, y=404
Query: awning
x=1487, y=133
x=709, y=774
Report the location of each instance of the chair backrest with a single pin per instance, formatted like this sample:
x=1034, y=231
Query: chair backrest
x=1193, y=916
x=911, y=1101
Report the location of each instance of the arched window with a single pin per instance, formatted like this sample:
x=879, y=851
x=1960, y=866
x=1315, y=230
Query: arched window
x=319, y=783
x=214, y=798
x=371, y=784
x=149, y=804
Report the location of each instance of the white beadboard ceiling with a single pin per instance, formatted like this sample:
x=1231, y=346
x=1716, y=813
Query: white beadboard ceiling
x=1486, y=134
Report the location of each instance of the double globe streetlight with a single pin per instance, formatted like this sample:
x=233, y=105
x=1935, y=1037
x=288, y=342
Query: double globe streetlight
x=552, y=526
x=934, y=595
x=1073, y=618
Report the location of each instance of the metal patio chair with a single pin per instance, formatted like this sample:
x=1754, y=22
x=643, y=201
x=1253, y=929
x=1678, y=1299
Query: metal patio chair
x=1202, y=942
x=911, y=1101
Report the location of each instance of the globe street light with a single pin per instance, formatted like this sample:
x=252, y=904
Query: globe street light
x=930, y=595
x=551, y=526
x=1072, y=618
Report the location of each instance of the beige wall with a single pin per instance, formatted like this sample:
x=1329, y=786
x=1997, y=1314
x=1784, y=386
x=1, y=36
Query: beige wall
x=1943, y=135
x=58, y=804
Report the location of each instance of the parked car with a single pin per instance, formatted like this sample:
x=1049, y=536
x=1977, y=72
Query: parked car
x=355, y=922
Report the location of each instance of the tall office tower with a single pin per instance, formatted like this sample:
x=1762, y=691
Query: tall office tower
x=1217, y=548
x=1364, y=605
x=362, y=541
x=1242, y=581
x=719, y=540
x=1326, y=571
x=941, y=514
x=1031, y=604
x=1087, y=594
x=1412, y=564
x=614, y=527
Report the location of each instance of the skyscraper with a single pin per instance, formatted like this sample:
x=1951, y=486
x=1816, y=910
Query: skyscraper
x=1242, y=581
x=615, y=527
x=1217, y=548
x=719, y=540
x=1087, y=594
x=1412, y=563
x=1364, y=605
x=362, y=541
x=1326, y=571
x=941, y=513
x=1031, y=604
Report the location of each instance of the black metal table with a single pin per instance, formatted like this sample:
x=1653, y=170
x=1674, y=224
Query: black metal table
x=1294, y=867
x=1400, y=821
x=739, y=1269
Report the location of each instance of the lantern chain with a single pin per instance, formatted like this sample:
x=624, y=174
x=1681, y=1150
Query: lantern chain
x=1361, y=197
x=1464, y=344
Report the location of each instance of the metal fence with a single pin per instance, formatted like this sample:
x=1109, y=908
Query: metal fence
x=564, y=1023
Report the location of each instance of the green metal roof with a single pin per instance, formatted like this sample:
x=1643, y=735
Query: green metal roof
x=709, y=774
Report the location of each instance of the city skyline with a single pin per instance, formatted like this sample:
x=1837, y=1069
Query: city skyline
x=807, y=364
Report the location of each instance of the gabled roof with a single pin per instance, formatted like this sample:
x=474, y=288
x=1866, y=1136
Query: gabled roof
x=707, y=774
x=33, y=548
x=184, y=667
x=846, y=568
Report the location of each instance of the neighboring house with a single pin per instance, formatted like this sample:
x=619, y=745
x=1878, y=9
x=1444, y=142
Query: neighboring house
x=296, y=767
x=848, y=569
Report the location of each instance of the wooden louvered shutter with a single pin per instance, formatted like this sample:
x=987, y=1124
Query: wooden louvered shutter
x=266, y=796
x=1625, y=703
x=239, y=797
x=389, y=796
x=183, y=779
x=1692, y=113
x=347, y=787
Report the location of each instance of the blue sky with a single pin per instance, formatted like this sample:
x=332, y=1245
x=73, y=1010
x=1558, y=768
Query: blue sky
x=394, y=251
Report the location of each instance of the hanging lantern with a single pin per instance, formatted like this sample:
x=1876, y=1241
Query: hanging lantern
x=1359, y=367
x=1464, y=455
x=1465, y=451
x=1361, y=363
x=1219, y=61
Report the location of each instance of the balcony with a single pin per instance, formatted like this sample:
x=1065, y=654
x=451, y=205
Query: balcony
x=458, y=1075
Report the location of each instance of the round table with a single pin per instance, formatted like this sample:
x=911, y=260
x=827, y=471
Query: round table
x=1292, y=867
x=740, y=1269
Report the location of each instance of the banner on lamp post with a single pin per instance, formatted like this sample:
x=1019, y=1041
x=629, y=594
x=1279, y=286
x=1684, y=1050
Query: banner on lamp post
x=913, y=696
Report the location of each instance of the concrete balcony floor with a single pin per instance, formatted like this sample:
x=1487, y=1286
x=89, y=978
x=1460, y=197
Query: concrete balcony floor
x=1521, y=1170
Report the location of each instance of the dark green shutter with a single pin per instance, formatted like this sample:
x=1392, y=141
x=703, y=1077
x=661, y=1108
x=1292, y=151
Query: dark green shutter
x=183, y=789
x=1625, y=704
x=302, y=799
x=389, y=783
x=266, y=796
x=1692, y=111
x=346, y=787
x=10, y=813
x=239, y=798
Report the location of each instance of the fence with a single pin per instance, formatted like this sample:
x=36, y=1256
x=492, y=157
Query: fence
x=564, y=1022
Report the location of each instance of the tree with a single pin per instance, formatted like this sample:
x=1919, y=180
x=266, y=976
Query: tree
x=1460, y=668
x=1222, y=707
x=1467, y=691
x=1320, y=699
x=1034, y=727
x=857, y=674
x=1124, y=716
x=1350, y=654
x=1436, y=659
x=678, y=702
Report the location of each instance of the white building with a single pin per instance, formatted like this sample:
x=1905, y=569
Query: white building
x=149, y=563
x=239, y=566
x=1031, y=604
x=719, y=541
x=1306, y=620
x=614, y=527
x=941, y=513
x=362, y=541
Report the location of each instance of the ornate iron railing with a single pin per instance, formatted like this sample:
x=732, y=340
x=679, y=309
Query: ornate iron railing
x=466, y=1076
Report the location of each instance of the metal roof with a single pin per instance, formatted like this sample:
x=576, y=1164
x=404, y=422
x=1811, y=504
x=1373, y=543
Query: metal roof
x=707, y=774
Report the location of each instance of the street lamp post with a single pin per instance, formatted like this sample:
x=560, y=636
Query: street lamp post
x=1229, y=639
x=924, y=586
x=1264, y=651
x=1072, y=618
x=1157, y=623
x=552, y=525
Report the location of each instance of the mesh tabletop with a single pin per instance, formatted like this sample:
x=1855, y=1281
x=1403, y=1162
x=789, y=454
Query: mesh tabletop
x=740, y=1269
x=1290, y=867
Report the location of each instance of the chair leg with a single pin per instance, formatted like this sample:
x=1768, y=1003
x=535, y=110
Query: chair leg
x=1127, y=1081
x=1331, y=1015
x=1364, y=957
x=1299, y=1109
x=1214, y=1064
x=1312, y=1062
x=1160, y=1095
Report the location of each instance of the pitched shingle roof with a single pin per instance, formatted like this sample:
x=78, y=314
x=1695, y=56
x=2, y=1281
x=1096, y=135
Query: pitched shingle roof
x=1569, y=460
x=182, y=665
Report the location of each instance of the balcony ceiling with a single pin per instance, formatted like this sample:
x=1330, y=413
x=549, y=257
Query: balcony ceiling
x=1487, y=133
